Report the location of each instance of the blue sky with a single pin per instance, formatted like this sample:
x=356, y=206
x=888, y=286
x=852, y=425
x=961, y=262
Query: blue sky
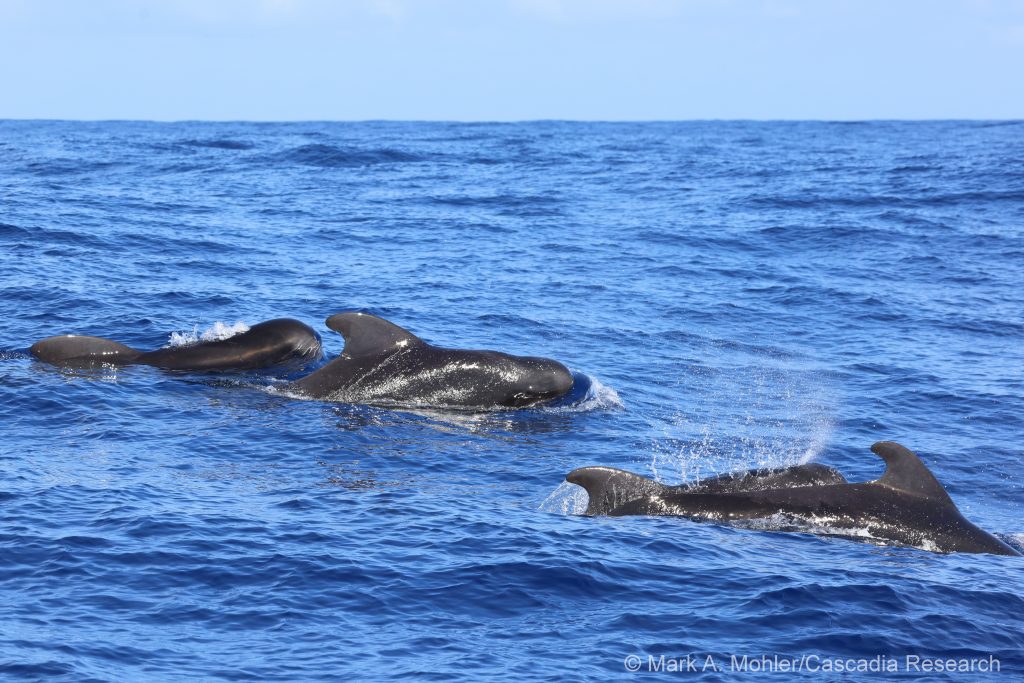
x=511, y=59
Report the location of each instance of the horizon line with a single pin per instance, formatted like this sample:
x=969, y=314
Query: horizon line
x=525, y=120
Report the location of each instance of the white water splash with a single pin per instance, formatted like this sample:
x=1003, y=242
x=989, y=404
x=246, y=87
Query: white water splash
x=598, y=397
x=215, y=332
x=567, y=499
x=758, y=413
x=833, y=527
x=818, y=525
x=279, y=387
x=601, y=397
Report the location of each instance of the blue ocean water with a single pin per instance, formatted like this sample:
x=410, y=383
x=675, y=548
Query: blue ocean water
x=739, y=294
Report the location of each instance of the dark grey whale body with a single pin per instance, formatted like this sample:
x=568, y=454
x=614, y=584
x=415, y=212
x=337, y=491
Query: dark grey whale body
x=907, y=505
x=263, y=345
x=383, y=364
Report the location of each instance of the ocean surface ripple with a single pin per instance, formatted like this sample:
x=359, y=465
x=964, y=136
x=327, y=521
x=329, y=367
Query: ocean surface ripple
x=738, y=295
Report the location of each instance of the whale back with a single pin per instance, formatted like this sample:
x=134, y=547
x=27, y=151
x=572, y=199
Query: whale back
x=609, y=488
x=82, y=350
x=795, y=476
x=266, y=344
x=384, y=364
x=907, y=504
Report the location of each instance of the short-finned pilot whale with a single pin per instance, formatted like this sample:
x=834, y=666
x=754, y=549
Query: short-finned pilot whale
x=262, y=345
x=907, y=505
x=383, y=364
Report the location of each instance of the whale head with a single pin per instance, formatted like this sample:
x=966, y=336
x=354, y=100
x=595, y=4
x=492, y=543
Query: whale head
x=539, y=380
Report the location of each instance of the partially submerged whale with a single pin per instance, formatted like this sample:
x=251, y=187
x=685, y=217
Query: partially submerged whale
x=907, y=505
x=383, y=364
x=263, y=345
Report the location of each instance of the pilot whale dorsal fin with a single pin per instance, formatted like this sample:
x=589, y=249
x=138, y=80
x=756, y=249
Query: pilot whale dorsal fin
x=368, y=335
x=608, y=488
x=905, y=472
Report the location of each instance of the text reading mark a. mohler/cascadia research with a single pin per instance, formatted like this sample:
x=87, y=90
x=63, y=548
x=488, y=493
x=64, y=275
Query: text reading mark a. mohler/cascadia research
x=812, y=663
